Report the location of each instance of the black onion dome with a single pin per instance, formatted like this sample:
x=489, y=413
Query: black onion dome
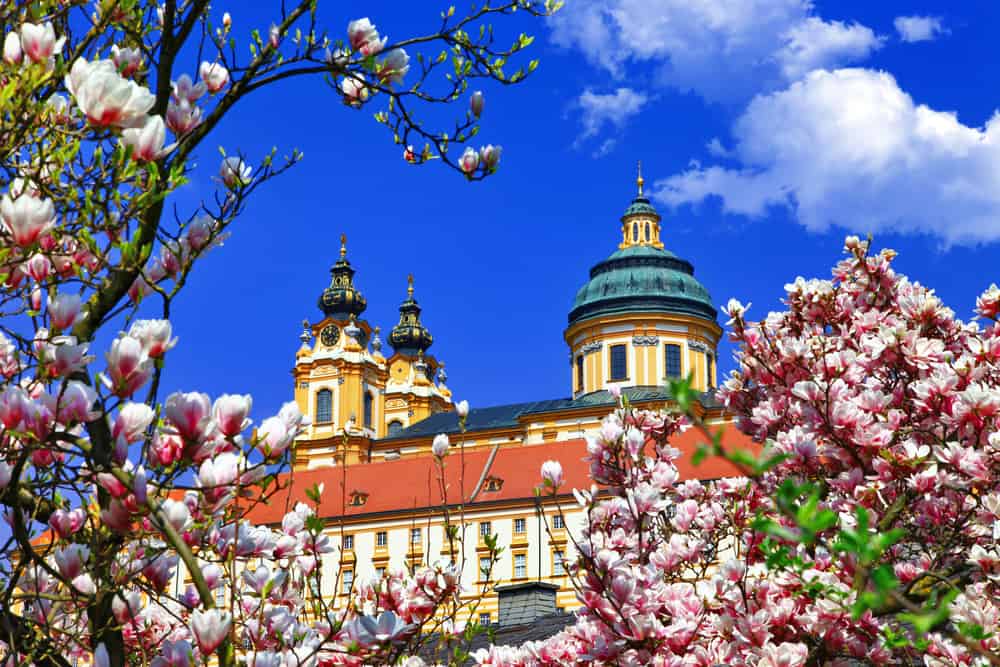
x=410, y=336
x=342, y=299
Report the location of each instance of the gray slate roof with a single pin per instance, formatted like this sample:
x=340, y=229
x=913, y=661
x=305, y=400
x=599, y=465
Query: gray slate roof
x=506, y=416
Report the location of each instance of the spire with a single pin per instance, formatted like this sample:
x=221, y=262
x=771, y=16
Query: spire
x=410, y=336
x=641, y=222
x=342, y=299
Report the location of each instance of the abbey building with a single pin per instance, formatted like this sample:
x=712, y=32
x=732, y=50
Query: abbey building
x=642, y=317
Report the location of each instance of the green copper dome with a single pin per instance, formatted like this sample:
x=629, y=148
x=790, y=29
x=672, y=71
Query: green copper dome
x=640, y=205
x=642, y=278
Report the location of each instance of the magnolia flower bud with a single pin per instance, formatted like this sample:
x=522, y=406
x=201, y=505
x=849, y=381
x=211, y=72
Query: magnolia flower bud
x=235, y=173
x=12, y=53
x=409, y=155
x=214, y=76
x=227, y=21
x=355, y=91
x=462, y=409
x=476, y=103
x=338, y=57
x=6, y=470
x=552, y=474
x=469, y=161
x=490, y=157
x=441, y=445
x=274, y=36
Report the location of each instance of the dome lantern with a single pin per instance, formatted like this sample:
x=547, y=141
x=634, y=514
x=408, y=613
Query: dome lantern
x=641, y=222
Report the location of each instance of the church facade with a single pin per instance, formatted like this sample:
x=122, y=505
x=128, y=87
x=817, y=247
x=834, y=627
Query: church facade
x=641, y=318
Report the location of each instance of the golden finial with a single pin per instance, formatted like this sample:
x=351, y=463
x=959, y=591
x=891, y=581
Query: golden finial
x=343, y=246
x=640, y=180
x=409, y=285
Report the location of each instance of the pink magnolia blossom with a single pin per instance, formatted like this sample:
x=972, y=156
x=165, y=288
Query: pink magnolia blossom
x=39, y=41
x=214, y=76
x=394, y=67
x=26, y=217
x=235, y=173
x=105, y=97
x=155, y=336
x=129, y=367
x=469, y=161
x=146, y=141
x=63, y=310
x=183, y=116
x=364, y=38
x=127, y=60
x=552, y=474
x=189, y=413
x=230, y=413
x=489, y=156
x=186, y=90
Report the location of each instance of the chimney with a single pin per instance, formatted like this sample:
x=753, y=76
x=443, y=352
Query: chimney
x=523, y=604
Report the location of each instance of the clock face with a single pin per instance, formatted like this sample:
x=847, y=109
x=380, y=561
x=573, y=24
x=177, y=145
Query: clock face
x=329, y=335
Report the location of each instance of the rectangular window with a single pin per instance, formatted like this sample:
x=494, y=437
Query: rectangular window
x=557, y=522
x=619, y=363
x=484, y=619
x=484, y=529
x=414, y=536
x=558, y=567
x=520, y=526
x=520, y=566
x=579, y=373
x=673, y=360
x=379, y=573
x=484, y=568
x=381, y=538
x=709, y=370
x=324, y=406
x=348, y=542
x=347, y=581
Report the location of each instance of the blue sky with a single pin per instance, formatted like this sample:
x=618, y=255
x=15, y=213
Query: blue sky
x=827, y=119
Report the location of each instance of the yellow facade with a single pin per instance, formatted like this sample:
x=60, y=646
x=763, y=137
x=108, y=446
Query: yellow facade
x=367, y=410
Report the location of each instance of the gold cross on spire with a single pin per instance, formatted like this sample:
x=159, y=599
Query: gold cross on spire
x=409, y=285
x=639, y=181
x=343, y=246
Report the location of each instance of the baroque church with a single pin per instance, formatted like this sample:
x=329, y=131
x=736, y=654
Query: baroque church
x=641, y=318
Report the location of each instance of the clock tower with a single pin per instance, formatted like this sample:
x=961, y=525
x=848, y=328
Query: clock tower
x=351, y=393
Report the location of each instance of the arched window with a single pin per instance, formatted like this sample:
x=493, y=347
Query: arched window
x=395, y=426
x=635, y=231
x=324, y=406
x=369, y=401
x=647, y=232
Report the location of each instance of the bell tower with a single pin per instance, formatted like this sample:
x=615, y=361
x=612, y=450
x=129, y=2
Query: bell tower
x=351, y=393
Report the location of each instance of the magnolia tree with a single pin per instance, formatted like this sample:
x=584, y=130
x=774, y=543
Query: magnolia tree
x=865, y=530
x=107, y=486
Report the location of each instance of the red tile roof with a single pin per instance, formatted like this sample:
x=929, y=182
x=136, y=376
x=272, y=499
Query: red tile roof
x=412, y=483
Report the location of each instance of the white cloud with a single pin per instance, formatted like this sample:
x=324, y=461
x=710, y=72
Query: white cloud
x=818, y=44
x=721, y=49
x=919, y=28
x=850, y=148
x=600, y=109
